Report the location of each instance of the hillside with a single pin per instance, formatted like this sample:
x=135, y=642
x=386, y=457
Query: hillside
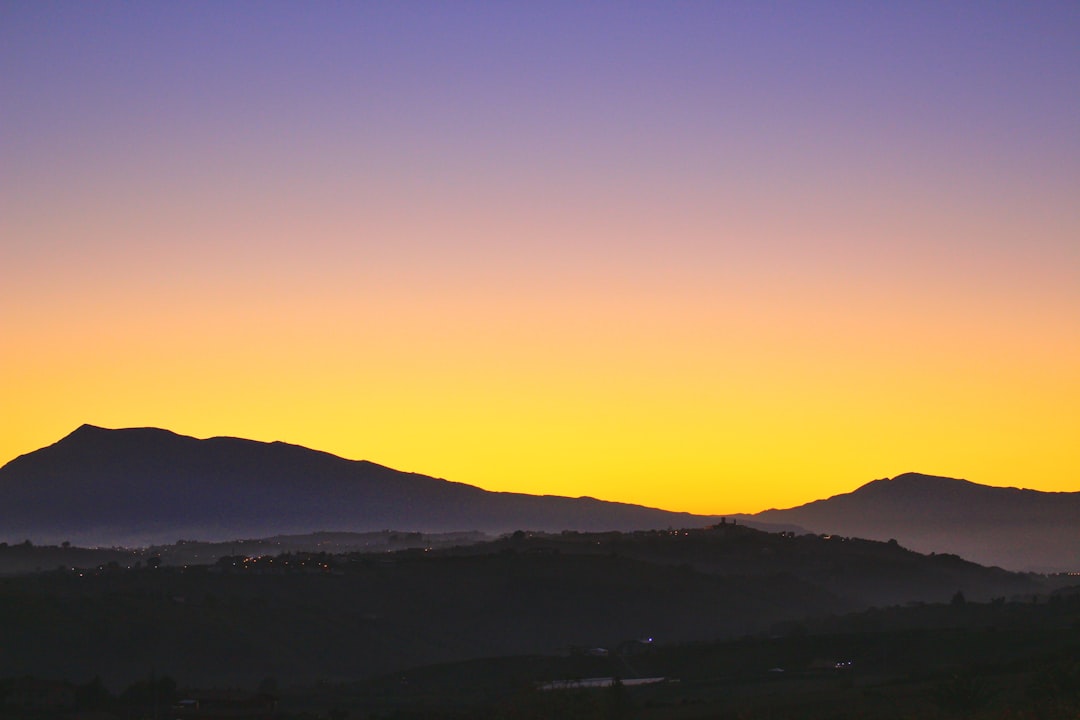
x=308, y=617
x=144, y=486
x=1013, y=528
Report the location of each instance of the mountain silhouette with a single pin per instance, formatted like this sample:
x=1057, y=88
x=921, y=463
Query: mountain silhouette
x=143, y=486
x=1009, y=527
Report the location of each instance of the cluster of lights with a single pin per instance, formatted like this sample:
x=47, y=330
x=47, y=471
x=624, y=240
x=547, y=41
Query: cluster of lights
x=287, y=562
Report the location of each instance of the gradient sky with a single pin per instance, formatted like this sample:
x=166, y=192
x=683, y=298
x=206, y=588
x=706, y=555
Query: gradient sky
x=714, y=257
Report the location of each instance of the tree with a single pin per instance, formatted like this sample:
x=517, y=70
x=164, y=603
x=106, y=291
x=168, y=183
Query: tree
x=150, y=692
x=618, y=705
x=92, y=696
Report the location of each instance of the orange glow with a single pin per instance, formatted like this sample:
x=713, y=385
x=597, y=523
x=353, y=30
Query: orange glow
x=710, y=257
x=701, y=399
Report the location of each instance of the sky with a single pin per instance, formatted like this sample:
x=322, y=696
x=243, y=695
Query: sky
x=704, y=256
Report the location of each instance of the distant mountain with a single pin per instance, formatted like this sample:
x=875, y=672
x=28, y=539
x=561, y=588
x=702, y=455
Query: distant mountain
x=1012, y=528
x=147, y=486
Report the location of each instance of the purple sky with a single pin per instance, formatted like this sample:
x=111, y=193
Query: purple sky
x=602, y=241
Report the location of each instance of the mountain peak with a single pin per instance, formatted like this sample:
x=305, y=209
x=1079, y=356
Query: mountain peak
x=148, y=485
x=86, y=430
x=913, y=482
x=915, y=477
x=1014, y=528
x=93, y=438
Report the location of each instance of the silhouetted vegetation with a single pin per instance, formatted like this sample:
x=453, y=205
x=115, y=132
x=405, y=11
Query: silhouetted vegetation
x=731, y=621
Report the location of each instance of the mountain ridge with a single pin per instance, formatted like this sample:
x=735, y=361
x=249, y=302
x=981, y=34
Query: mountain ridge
x=145, y=486
x=1017, y=528
x=148, y=485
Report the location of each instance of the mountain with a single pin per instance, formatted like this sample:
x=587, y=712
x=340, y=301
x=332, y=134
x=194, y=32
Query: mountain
x=1012, y=528
x=143, y=486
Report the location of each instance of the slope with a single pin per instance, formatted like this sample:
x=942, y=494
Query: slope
x=145, y=485
x=1016, y=529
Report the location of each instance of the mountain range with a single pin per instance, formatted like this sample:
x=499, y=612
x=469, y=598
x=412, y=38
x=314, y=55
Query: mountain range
x=144, y=486
x=1006, y=526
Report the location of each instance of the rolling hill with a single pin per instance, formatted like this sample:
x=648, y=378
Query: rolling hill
x=1013, y=528
x=319, y=616
x=147, y=486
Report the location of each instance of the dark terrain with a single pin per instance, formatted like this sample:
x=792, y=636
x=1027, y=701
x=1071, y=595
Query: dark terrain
x=1016, y=529
x=145, y=486
x=322, y=617
x=496, y=605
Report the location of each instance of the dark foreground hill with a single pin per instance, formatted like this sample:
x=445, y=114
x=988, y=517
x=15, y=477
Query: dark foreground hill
x=302, y=618
x=1012, y=528
x=148, y=486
